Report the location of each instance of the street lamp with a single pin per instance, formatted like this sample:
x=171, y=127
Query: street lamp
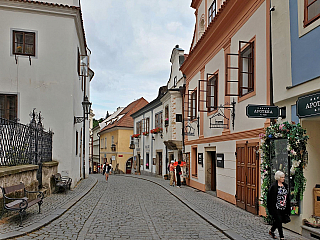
x=86, y=105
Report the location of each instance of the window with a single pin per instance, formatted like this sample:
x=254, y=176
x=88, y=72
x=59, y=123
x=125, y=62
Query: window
x=112, y=139
x=24, y=43
x=101, y=143
x=212, y=93
x=212, y=11
x=8, y=106
x=193, y=105
x=147, y=125
x=78, y=63
x=158, y=120
x=175, y=81
x=194, y=163
x=311, y=11
x=77, y=142
x=105, y=142
x=139, y=127
x=246, y=68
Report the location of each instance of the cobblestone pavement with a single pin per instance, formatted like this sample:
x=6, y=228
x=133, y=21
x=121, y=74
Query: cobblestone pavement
x=128, y=208
x=223, y=214
x=51, y=208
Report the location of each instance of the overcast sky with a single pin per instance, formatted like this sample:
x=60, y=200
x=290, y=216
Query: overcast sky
x=131, y=43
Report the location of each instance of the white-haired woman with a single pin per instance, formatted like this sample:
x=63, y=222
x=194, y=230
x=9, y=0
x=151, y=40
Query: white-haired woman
x=278, y=203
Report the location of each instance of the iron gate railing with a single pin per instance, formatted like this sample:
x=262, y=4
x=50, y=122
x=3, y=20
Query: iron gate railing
x=25, y=144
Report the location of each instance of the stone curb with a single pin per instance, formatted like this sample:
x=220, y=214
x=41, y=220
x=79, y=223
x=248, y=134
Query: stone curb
x=53, y=216
x=217, y=224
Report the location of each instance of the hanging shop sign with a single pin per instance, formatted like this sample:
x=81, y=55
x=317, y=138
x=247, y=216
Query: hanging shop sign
x=309, y=105
x=262, y=111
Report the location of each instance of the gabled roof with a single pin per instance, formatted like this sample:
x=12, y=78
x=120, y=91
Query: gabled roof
x=59, y=6
x=123, y=118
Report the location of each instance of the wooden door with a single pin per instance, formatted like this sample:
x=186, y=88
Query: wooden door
x=247, y=177
x=213, y=171
x=160, y=163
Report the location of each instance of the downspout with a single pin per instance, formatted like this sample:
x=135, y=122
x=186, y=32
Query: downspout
x=271, y=70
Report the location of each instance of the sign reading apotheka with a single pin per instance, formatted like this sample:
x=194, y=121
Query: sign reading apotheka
x=308, y=105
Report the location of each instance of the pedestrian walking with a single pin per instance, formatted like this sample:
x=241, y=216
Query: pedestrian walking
x=278, y=204
x=178, y=173
x=171, y=172
x=107, y=171
x=104, y=168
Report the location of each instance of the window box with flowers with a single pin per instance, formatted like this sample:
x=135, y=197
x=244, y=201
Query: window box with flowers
x=166, y=122
x=156, y=130
x=136, y=135
x=145, y=133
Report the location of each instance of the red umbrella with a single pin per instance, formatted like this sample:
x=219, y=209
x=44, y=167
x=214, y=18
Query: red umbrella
x=182, y=164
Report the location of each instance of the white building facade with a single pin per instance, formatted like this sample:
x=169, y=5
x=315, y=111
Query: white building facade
x=41, y=67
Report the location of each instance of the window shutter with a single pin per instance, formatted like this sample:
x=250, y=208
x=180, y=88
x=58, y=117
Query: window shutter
x=232, y=84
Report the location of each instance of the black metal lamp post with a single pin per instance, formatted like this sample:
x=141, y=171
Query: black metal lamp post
x=86, y=111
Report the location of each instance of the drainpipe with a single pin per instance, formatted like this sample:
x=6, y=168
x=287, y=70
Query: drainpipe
x=271, y=71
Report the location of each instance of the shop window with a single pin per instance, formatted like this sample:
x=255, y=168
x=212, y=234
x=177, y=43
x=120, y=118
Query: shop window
x=23, y=43
x=8, y=106
x=311, y=11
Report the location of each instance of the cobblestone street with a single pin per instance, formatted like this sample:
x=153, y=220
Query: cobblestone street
x=143, y=207
x=128, y=208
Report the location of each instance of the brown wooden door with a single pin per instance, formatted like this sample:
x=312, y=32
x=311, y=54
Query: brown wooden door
x=247, y=177
x=213, y=171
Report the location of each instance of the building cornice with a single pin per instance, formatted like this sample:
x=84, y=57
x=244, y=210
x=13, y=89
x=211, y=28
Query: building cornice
x=230, y=18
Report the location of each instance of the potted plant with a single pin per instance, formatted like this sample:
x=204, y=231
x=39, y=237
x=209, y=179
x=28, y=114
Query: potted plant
x=156, y=130
x=136, y=135
x=145, y=133
x=166, y=122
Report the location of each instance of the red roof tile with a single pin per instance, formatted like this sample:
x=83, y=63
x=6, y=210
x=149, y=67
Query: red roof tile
x=127, y=120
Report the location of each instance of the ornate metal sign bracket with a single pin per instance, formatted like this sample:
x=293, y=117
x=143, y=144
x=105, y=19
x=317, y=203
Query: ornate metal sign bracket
x=220, y=123
x=189, y=130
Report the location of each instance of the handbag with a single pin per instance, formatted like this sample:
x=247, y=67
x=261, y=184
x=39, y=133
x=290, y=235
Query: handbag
x=286, y=218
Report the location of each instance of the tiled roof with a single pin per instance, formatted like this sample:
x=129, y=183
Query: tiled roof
x=45, y=3
x=57, y=5
x=126, y=120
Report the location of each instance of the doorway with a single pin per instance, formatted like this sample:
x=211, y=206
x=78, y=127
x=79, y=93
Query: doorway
x=211, y=184
x=247, y=191
x=129, y=166
x=159, y=158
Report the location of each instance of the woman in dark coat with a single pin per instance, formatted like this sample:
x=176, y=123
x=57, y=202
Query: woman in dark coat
x=278, y=203
x=178, y=173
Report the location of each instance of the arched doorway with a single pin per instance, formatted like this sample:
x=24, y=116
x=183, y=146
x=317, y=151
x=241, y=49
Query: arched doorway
x=129, y=165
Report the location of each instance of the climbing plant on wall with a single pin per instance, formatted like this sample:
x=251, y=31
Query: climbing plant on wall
x=297, y=153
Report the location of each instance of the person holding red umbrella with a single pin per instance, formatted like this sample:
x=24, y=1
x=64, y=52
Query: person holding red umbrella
x=178, y=173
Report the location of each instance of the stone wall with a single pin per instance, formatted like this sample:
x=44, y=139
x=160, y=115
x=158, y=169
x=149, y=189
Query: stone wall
x=27, y=174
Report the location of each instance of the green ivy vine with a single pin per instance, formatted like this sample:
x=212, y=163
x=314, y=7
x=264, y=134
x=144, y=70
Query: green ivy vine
x=297, y=141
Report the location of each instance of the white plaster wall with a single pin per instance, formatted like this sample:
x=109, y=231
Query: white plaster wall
x=50, y=84
x=255, y=26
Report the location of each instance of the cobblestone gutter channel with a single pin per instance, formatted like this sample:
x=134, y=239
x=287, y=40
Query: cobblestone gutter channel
x=52, y=208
